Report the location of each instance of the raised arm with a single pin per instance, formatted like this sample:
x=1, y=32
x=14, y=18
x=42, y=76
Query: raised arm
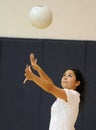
x=43, y=81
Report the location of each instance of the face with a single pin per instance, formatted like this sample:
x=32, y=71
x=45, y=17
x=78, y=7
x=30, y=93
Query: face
x=69, y=80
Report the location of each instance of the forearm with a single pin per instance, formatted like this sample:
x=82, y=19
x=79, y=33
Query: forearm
x=46, y=85
x=43, y=74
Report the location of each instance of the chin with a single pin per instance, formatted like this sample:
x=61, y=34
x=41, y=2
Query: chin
x=64, y=87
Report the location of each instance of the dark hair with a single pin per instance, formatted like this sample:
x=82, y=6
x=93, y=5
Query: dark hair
x=81, y=88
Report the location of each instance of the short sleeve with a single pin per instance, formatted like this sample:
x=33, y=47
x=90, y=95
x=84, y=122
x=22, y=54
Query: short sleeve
x=73, y=97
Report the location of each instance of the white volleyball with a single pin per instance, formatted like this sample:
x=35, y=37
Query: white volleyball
x=40, y=16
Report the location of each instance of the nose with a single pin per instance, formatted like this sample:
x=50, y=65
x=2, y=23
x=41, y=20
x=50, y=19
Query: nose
x=65, y=77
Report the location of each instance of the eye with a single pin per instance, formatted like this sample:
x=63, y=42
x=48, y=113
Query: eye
x=64, y=75
x=70, y=75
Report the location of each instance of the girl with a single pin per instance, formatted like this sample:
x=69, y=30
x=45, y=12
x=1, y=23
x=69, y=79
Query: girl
x=64, y=111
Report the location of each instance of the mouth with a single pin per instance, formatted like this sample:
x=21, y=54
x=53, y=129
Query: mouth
x=64, y=82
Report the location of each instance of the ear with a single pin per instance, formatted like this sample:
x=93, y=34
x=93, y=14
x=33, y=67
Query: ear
x=77, y=83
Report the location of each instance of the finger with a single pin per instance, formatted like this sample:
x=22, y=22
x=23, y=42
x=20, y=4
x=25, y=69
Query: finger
x=29, y=68
x=32, y=58
x=25, y=81
x=26, y=66
x=35, y=61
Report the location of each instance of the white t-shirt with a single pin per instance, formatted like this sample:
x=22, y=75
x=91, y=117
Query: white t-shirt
x=64, y=114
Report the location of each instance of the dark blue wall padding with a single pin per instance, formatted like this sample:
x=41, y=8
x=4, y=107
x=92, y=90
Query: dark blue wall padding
x=27, y=107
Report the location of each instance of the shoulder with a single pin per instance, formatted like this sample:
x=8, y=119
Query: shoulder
x=73, y=92
x=72, y=95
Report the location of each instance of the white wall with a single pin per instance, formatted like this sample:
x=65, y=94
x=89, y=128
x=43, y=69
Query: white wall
x=72, y=19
